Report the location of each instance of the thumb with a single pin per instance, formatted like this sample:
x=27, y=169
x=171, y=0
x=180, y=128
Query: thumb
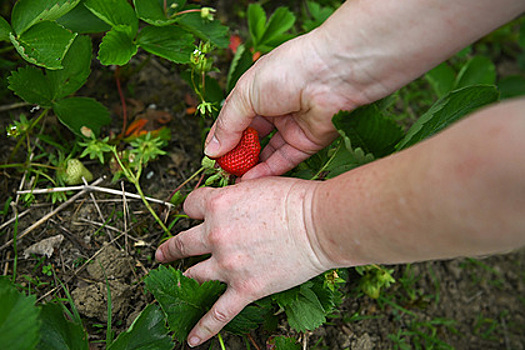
x=236, y=115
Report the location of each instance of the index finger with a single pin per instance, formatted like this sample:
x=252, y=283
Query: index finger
x=195, y=203
x=229, y=305
x=185, y=244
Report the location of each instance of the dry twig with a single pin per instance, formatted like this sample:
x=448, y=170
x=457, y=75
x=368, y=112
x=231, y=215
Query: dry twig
x=49, y=215
x=98, y=209
x=16, y=105
x=95, y=188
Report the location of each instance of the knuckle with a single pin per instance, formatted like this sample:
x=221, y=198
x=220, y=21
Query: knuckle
x=243, y=85
x=231, y=263
x=249, y=289
x=194, y=196
x=216, y=202
x=221, y=315
x=213, y=203
x=220, y=126
x=178, y=246
x=190, y=273
x=245, y=93
x=206, y=329
x=216, y=237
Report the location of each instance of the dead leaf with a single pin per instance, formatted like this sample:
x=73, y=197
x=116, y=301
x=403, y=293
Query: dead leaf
x=44, y=247
x=149, y=121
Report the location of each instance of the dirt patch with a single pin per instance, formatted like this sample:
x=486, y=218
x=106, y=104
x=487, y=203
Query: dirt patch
x=92, y=300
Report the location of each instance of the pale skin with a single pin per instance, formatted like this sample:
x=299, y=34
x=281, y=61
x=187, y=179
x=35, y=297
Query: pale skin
x=459, y=193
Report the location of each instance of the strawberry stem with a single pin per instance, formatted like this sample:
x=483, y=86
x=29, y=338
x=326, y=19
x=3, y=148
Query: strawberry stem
x=122, y=101
x=221, y=341
x=184, y=183
x=134, y=179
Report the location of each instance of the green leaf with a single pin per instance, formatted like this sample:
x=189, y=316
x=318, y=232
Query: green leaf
x=81, y=20
x=368, y=128
x=241, y=62
x=302, y=307
x=267, y=35
x=319, y=15
x=34, y=87
x=183, y=300
x=512, y=86
x=478, y=70
x=306, y=313
x=153, y=12
x=45, y=44
x=281, y=21
x=5, y=29
x=82, y=112
x=117, y=47
x=60, y=334
x=448, y=110
x=328, y=294
x=256, y=22
x=249, y=318
x=19, y=318
x=26, y=13
x=442, y=78
x=30, y=84
x=148, y=332
x=77, y=63
x=204, y=29
x=333, y=160
x=171, y=43
x=115, y=13
x=346, y=158
x=521, y=61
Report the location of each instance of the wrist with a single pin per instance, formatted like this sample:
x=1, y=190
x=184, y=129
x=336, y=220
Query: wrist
x=337, y=243
x=378, y=46
x=300, y=209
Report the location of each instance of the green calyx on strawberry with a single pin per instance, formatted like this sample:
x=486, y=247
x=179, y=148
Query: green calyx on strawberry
x=244, y=156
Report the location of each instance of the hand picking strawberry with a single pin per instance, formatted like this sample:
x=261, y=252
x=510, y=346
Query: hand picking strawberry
x=244, y=156
x=459, y=193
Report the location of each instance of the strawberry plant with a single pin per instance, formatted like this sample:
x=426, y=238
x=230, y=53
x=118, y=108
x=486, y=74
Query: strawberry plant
x=25, y=325
x=170, y=34
x=265, y=35
x=60, y=65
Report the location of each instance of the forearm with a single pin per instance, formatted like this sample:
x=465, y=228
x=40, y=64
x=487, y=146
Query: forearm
x=378, y=46
x=460, y=193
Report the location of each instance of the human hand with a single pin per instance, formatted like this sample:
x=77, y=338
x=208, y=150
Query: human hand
x=292, y=89
x=257, y=250
x=351, y=60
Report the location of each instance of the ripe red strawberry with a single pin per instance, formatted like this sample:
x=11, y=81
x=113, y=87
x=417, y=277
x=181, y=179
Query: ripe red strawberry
x=244, y=156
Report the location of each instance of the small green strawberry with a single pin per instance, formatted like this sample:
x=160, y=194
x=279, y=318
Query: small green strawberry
x=74, y=171
x=244, y=156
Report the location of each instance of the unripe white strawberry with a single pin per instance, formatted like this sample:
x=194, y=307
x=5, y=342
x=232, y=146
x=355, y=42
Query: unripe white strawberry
x=74, y=171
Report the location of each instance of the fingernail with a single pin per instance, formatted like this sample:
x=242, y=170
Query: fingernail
x=194, y=341
x=212, y=147
x=159, y=255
